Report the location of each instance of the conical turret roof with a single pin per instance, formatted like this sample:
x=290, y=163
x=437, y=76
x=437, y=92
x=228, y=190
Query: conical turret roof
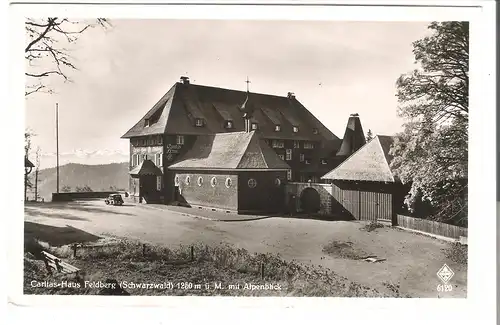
x=354, y=137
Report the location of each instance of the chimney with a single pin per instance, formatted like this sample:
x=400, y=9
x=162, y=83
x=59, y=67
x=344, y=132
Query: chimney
x=291, y=95
x=185, y=80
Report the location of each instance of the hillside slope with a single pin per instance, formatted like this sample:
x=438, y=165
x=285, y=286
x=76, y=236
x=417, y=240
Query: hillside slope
x=97, y=177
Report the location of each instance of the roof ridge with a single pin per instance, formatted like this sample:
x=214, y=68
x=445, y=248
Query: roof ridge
x=246, y=147
x=348, y=157
x=174, y=88
x=242, y=91
x=385, y=158
x=262, y=154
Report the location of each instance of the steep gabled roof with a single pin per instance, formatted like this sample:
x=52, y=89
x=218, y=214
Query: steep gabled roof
x=160, y=112
x=370, y=163
x=186, y=101
x=235, y=150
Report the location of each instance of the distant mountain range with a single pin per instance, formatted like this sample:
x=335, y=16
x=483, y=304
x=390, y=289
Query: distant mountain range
x=84, y=157
x=97, y=177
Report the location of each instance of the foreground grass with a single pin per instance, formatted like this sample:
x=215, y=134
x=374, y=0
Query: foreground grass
x=457, y=253
x=219, y=270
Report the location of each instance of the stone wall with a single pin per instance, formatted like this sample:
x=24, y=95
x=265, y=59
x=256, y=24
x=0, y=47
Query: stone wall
x=324, y=191
x=70, y=196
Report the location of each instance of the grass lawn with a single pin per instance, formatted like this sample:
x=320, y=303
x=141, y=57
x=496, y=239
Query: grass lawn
x=219, y=270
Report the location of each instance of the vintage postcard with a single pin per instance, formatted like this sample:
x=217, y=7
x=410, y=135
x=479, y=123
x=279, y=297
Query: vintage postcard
x=238, y=152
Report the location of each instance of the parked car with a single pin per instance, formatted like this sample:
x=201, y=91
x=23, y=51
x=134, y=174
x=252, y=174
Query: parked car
x=114, y=199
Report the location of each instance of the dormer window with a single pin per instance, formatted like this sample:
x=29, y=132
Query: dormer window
x=315, y=131
x=229, y=125
x=295, y=129
x=254, y=126
x=277, y=128
x=308, y=145
x=199, y=122
x=147, y=123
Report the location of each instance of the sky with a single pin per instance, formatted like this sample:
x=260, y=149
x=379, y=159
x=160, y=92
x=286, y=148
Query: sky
x=334, y=68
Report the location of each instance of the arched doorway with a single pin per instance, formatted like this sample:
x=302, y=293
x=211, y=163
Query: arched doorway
x=310, y=201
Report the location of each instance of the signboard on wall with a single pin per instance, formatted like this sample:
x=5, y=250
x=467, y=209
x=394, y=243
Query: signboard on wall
x=171, y=150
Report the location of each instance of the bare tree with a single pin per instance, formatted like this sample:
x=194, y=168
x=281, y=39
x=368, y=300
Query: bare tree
x=47, y=40
x=37, y=169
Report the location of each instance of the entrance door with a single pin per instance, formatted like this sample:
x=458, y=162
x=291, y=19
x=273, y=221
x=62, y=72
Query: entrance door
x=310, y=201
x=375, y=206
x=147, y=189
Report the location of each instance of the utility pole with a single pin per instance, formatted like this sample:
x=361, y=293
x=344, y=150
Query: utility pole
x=57, y=145
x=36, y=184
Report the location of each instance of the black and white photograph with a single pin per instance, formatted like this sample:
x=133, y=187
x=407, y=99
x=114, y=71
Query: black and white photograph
x=239, y=158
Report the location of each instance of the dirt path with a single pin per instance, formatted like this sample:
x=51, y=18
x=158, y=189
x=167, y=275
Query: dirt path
x=412, y=260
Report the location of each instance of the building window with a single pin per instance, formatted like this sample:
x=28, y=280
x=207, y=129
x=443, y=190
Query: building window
x=160, y=160
x=213, y=181
x=288, y=154
x=277, y=182
x=180, y=139
x=301, y=157
x=200, y=181
x=160, y=140
x=296, y=144
x=252, y=183
x=282, y=157
x=147, y=123
x=254, y=126
x=176, y=180
x=308, y=161
x=323, y=161
x=188, y=180
x=229, y=182
x=199, y=122
x=315, y=131
x=277, y=128
x=289, y=174
x=158, y=183
x=278, y=144
x=295, y=129
x=229, y=124
x=308, y=145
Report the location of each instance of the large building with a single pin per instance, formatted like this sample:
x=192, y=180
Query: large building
x=186, y=113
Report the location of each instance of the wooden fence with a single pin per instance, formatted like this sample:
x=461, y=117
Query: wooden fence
x=432, y=227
